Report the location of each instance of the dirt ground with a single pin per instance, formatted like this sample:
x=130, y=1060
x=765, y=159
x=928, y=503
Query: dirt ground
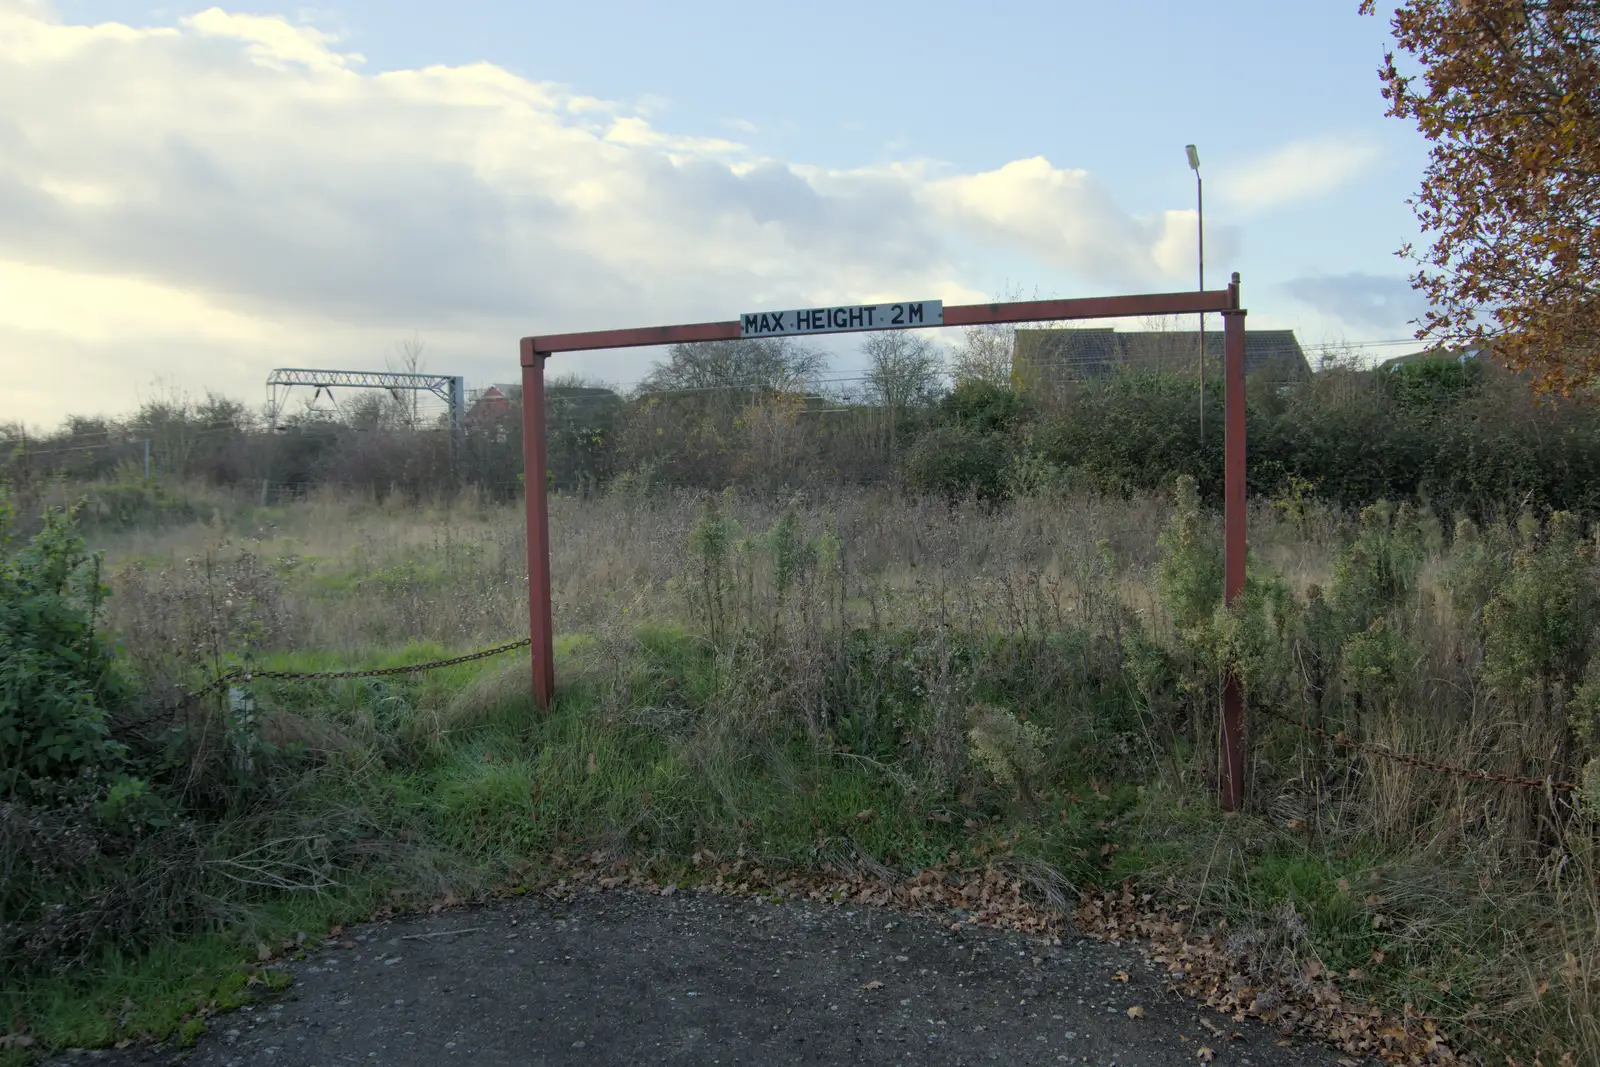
x=624, y=978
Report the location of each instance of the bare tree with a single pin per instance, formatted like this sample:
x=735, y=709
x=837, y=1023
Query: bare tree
x=408, y=403
x=984, y=355
x=986, y=351
x=774, y=364
x=904, y=371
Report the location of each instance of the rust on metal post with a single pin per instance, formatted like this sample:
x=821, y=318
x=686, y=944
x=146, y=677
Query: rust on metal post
x=1231, y=771
x=541, y=634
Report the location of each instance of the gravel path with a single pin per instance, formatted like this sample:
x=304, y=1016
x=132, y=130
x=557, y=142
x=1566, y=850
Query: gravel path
x=623, y=978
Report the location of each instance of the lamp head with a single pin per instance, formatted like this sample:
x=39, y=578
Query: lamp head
x=1194, y=157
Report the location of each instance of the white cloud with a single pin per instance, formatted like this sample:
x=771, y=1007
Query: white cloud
x=202, y=203
x=273, y=42
x=1068, y=219
x=1300, y=170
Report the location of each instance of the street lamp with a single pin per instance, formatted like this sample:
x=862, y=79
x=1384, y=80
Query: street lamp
x=1200, y=211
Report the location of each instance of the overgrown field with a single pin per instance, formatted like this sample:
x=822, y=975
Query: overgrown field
x=857, y=679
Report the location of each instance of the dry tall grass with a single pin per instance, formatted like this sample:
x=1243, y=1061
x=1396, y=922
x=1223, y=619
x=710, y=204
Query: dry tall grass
x=1488, y=891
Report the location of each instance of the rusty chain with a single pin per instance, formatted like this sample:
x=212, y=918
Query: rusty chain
x=245, y=674
x=1341, y=740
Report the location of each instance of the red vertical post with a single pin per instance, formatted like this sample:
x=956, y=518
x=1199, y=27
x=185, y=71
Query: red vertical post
x=535, y=466
x=1231, y=772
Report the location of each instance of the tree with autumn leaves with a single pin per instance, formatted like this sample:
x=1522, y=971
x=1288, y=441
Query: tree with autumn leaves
x=1508, y=92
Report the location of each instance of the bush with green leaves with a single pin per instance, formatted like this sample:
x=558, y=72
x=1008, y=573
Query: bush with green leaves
x=1468, y=441
x=957, y=460
x=1540, y=624
x=130, y=504
x=58, y=677
x=1012, y=750
x=1379, y=567
x=1189, y=575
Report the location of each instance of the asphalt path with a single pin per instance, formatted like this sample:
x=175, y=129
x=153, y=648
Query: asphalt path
x=629, y=978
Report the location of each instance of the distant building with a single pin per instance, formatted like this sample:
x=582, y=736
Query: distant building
x=490, y=402
x=1047, y=360
x=504, y=398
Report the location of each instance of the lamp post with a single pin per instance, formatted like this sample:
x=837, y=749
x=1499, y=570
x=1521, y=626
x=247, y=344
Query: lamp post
x=1200, y=211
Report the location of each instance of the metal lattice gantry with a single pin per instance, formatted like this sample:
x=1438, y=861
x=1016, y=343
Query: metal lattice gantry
x=449, y=388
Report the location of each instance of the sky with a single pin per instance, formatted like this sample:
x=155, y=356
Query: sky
x=191, y=196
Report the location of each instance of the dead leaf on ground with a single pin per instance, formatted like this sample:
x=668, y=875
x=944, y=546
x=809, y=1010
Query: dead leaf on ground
x=1121, y=976
x=16, y=1041
x=1136, y=1012
x=263, y=951
x=1205, y=1054
x=874, y=984
x=865, y=815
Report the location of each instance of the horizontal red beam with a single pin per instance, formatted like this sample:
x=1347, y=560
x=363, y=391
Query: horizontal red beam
x=646, y=335
x=1094, y=307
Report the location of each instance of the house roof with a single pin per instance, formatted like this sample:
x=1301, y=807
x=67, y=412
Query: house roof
x=1054, y=356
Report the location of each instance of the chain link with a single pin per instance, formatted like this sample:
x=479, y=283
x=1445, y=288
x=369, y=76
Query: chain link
x=1342, y=741
x=237, y=674
x=1339, y=740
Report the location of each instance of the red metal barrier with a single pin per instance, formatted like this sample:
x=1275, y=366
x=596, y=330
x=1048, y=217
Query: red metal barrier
x=1231, y=768
x=535, y=350
x=541, y=633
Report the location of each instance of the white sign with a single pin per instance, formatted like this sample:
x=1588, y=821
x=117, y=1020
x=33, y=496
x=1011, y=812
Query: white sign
x=843, y=319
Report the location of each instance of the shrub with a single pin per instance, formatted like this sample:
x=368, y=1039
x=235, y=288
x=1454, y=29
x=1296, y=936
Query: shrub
x=1011, y=750
x=984, y=407
x=1541, y=621
x=957, y=460
x=128, y=505
x=57, y=677
x=1431, y=386
x=1376, y=570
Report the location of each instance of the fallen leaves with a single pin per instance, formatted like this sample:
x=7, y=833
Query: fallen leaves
x=1205, y=1054
x=1136, y=1012
x=874, y=984
x=1306, y=1000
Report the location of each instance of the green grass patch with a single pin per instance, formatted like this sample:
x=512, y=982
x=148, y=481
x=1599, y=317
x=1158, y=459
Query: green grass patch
x=451, y=782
